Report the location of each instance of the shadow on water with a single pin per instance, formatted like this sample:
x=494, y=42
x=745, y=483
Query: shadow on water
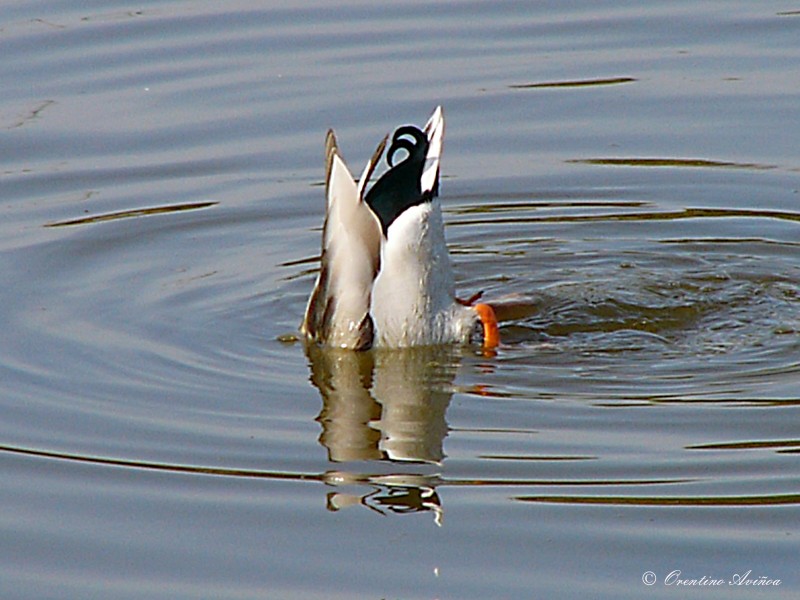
x=127, y=214
x=688, y=213
x=578, y=83
x=768, y=500
x=683, y=163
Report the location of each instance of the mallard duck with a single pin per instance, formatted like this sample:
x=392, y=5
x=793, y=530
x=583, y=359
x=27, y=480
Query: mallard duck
x=385, y=278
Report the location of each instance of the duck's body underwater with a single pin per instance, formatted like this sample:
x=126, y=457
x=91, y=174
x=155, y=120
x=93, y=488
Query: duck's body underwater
x=385, y=278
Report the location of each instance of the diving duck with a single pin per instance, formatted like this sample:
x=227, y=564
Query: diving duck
x=385, y=278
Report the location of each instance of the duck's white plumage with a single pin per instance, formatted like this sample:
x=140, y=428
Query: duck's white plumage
x=434, y=131
x=385, y=276
x=414, y=294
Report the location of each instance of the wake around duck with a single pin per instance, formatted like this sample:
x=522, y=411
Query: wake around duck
x=385, y=277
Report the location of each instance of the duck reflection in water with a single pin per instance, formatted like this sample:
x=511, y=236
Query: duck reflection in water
x=386, y=407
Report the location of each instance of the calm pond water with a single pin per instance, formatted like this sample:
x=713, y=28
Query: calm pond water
x=627, y=171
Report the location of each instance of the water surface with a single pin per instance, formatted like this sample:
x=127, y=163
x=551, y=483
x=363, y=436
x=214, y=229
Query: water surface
x=626, y=174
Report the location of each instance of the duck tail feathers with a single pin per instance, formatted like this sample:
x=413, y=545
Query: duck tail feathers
x=337, y=313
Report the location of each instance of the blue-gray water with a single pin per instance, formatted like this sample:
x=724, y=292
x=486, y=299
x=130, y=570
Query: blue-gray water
x=628, y=172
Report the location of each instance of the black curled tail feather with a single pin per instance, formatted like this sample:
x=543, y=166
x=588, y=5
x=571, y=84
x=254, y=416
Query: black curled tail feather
x=417, y=146
x=399, y=188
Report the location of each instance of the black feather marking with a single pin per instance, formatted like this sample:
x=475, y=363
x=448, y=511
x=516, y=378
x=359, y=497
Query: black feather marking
x=313, y=321
x=326, y=320
x=366, y=333
x=399, y=188
x=399, y=144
